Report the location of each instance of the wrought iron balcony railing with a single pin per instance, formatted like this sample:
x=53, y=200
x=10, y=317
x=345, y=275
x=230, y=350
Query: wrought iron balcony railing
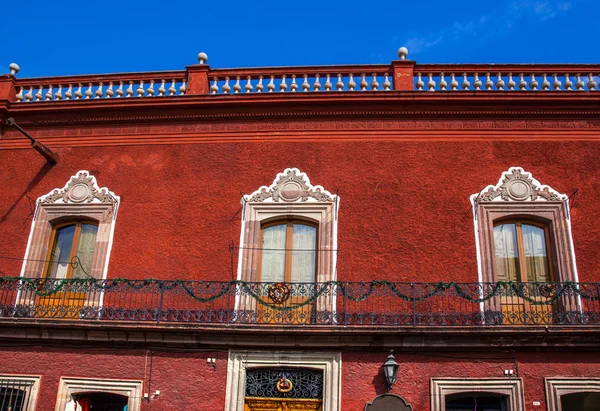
x=334, y=303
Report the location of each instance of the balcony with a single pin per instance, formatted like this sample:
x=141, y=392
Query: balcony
x=331, y=304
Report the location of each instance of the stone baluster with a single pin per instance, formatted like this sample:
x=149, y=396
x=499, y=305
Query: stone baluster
x=162, y=89
x=387, y=85
x=533, y=84
x=120, y=91
x=248, y=87
x=183, y=87
x=99, y=92
x=488, y=82
x=260, y=87
x=579, y=83
x=79, y=91
x=58, y=95
x=20, y=95
x=29, y=95
x=173, y=89
x=431, y=82
x=511, y=83
x=476, y=82
x=351, y=83
x=214, y=89
x=374, y=83
x=568, y=82
x=339, y=85
x=39, y=95
x=305, y=85
x=591, y=85
x=363, y=82
x=283, y=85
x=140, y=90
x=88, y=93
x=49, y=92
x=271, y=85
x=109, y=91
x=236, y=87
x=317, y=83
x=453, y=82
x=69, y=92
x=466, y=84
x=293, y=86
x=226, y=86
x=150, y=90
x=129, y=91
x=443, y=83
x=499, y=82
x=420, y=84
x=545, y=82
x=328, y=84
x=556, y=83
x=522, y=82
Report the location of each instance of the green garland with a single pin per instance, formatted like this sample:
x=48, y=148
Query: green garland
x=498, y=289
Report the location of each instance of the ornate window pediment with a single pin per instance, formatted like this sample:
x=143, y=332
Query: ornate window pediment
x=291, y=186
x=81, y=188
x=518, y=185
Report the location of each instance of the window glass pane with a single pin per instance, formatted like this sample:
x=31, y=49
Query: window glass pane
x=60, y=256
x=536, y=258
x=273, y=254
x=304, y=253
x=507, y=254
x=85, y=251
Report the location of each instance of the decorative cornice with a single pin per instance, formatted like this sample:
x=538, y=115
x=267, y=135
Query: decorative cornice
x=289, y=187
x=81, y=188
x=517, y=185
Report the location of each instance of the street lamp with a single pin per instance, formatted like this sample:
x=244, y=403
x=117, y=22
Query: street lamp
x=390, y=370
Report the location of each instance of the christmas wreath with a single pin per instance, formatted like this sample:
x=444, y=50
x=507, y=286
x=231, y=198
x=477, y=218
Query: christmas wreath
x=278, y=292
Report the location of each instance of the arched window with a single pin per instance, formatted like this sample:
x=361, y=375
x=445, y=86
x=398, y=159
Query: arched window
x=288, y=251
x=522, y=251
x=71, y=250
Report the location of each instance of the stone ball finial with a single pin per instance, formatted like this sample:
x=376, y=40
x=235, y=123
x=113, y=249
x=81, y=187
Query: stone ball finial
x=14, y=68
x=202, y=58
x=402, y=53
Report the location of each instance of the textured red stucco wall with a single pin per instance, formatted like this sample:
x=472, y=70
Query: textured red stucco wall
x=184, y=379
x=404, y=215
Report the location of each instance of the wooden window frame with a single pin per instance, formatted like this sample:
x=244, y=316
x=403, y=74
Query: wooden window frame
x=76, y=237
x=289, y=222
x=518, y=222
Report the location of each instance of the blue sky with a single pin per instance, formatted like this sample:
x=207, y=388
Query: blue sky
x=80, y=37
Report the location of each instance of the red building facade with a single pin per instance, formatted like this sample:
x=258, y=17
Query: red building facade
x=245, y=239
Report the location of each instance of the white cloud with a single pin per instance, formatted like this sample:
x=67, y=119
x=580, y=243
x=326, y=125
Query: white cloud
x=491, y=24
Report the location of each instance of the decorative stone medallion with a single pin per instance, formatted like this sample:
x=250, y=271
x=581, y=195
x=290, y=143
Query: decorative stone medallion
x=518, y=185
x=81, y=188
x=290, y=186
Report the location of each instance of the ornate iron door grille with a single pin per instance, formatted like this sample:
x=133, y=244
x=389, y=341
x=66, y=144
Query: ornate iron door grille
x=304, y=383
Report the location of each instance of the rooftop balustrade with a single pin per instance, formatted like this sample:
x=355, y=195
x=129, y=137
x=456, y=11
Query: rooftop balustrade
x=331, y=304
x=400, y=75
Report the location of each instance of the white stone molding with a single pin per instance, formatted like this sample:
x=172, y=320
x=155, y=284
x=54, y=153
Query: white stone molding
x=518, y=194
x=289, y=187
x=518, y=185
x=441, y=387
x=132, y=389
x=28, y=383
x=239, y=361
x=80, y=198
x=559, y=386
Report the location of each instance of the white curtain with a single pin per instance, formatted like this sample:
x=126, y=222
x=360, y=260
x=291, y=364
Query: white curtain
x=273, y=254
x=303, y=254
x=61, y=252
x=507, y=254
x=536, y=259
x=85, y=251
